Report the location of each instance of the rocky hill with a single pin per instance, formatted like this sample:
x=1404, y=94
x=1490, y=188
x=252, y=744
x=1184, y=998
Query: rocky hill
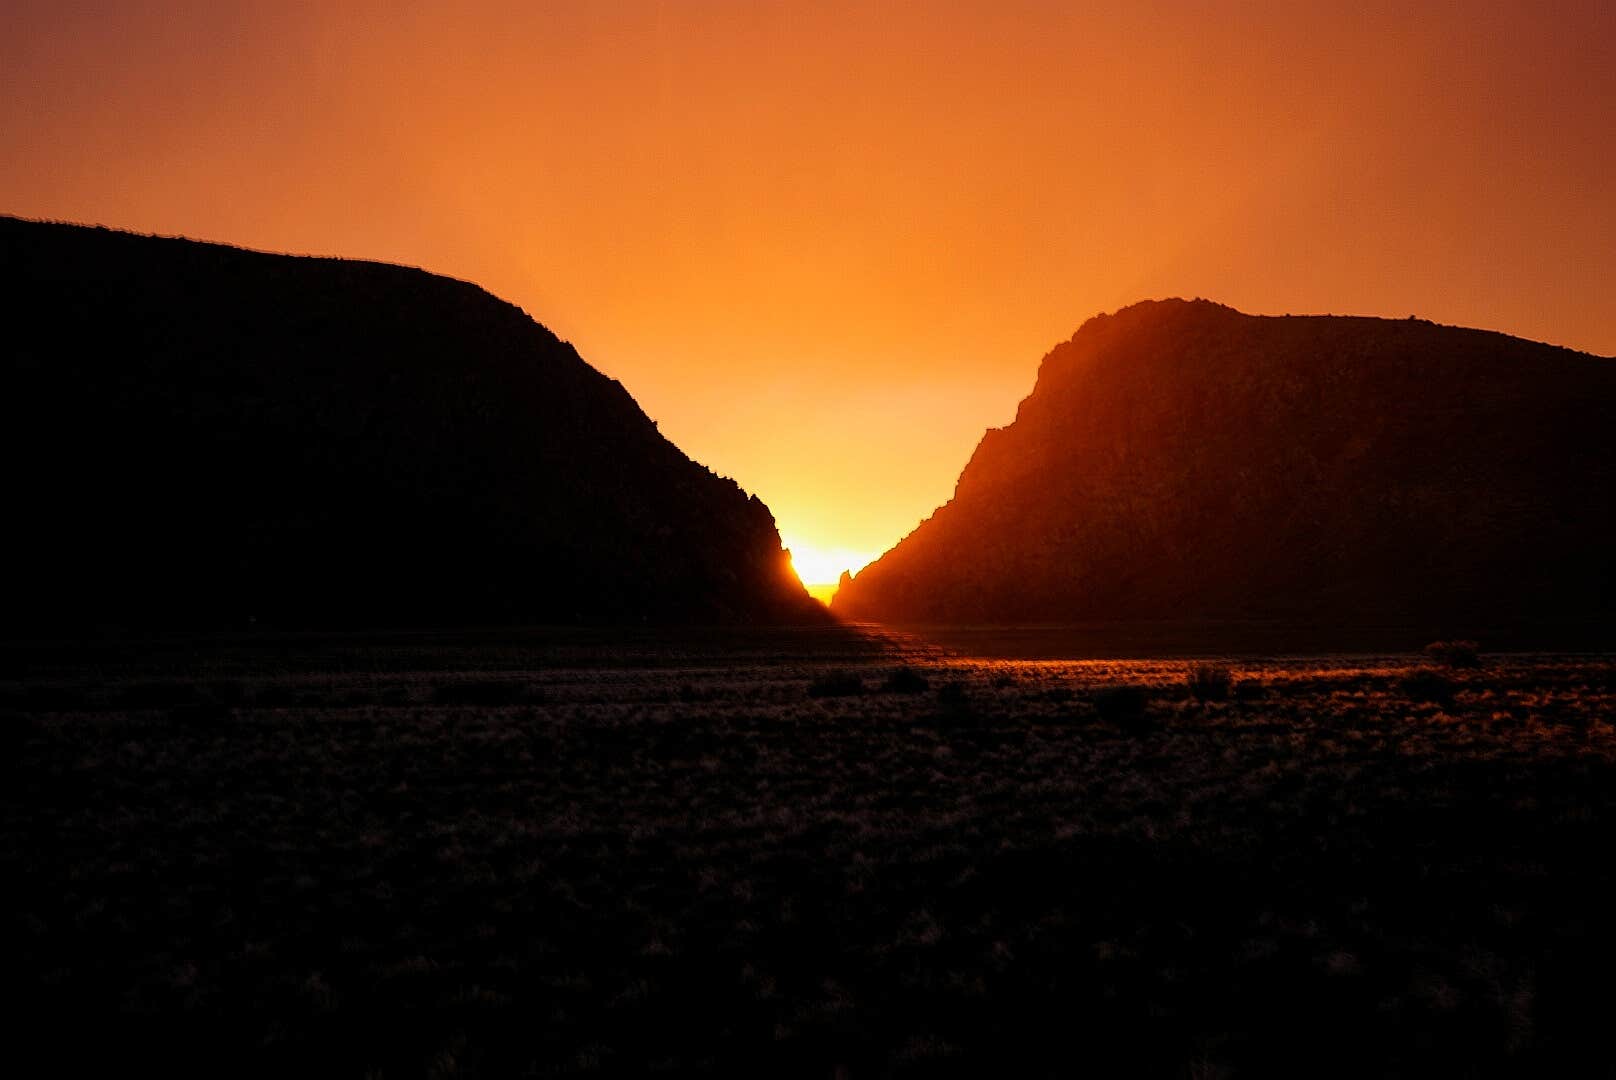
x=1181, y=462
x=195, y=433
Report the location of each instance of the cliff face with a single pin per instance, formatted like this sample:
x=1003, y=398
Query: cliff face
x=197, y=433
x=1180, y=460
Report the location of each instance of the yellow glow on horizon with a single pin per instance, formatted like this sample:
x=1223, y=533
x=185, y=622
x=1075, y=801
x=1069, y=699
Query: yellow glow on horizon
x=823, y=566
x=822, y=593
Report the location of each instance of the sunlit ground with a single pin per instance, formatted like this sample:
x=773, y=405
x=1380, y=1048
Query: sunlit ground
x=821, y=852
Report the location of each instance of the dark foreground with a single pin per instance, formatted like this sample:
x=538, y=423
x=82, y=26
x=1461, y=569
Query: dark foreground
x=534, y=855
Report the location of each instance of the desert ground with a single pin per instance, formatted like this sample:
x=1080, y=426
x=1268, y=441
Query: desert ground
x=835, y=852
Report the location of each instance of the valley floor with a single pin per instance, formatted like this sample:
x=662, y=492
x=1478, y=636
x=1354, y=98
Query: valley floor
x=816, y=853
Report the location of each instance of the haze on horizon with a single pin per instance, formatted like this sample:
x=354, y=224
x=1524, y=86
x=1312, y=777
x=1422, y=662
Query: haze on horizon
x=825, y=246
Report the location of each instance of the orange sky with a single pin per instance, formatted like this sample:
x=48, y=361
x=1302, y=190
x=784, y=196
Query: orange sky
x=825, y=245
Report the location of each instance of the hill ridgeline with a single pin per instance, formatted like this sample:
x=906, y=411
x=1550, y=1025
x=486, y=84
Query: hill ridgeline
x=1384, y=479
x=197, y=433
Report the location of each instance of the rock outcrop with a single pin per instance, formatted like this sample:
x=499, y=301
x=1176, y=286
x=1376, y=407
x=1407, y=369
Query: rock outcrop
x=1180, y=461
x=196, y=434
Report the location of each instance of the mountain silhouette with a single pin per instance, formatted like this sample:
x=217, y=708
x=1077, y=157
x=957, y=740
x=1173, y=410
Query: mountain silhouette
x=1182, y=461
x=197, y=433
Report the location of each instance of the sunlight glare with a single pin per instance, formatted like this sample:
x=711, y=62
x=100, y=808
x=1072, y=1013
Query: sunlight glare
x=824, y=566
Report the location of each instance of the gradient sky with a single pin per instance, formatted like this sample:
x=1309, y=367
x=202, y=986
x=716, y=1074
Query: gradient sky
x=825, y=245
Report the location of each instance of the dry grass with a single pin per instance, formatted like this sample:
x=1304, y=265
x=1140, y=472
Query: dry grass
x=489, y=858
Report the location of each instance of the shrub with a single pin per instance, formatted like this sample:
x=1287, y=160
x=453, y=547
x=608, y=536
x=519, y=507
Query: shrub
x=690, y=694
x=1427, y=685
x=202, y=714
x=275, y=696
x=906, y=680
x=1455, y=654
x=225, y=692
x=836, y=684
x=484, y=692
x=1209, y=682
x=1249, y=690
x=43, y=699
x=954, y=705
x=1125, y=706
x=158, y=695
x=16, y=729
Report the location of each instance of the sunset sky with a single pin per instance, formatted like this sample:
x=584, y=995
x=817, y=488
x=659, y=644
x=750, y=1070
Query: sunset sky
x=825, y=245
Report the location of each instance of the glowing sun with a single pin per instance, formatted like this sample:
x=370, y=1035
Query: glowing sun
x=823, y=566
